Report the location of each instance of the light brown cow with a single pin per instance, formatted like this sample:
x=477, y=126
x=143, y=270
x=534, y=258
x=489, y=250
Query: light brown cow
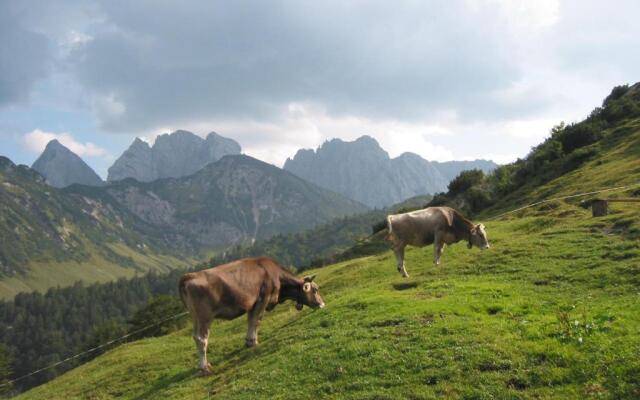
x=437, y=225
x=250, y=285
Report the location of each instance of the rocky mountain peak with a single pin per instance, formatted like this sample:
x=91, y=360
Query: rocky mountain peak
x=363, y=171
x=139, y=143
x=173, y=155
x=61, y=167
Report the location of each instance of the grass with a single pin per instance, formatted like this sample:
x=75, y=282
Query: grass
x=551, y=311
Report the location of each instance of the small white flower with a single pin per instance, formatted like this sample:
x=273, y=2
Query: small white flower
x=576, y=322
x=580, y=340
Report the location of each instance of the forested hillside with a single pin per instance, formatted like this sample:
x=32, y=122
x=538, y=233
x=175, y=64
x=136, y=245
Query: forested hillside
x=38, y=330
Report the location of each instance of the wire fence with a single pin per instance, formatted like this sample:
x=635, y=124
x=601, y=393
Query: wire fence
x=94, y=349
x=611, y=189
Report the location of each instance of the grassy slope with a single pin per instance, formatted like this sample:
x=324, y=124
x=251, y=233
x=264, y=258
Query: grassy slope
x=551, y=311
x=617, y=165
x=483, y=324
x=42, y=275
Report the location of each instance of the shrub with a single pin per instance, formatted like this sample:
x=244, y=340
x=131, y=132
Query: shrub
x=579, y=135
x=616, y=93
x=158, y=309
x=579, y=157
x=439, y=199
x=465, y=180
x=477, y=199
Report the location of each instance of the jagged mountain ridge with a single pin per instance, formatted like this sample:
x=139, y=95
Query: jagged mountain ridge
x=61, y=167
x=363, y=171
x=174, y=155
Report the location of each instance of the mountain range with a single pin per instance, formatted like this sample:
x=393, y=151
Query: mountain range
x=360, y=170
x=169, y=203
x=52, y=236
x=363, y=171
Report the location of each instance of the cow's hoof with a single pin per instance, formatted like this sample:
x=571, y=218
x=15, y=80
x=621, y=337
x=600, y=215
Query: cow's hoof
x=251, y=342
x=206, y=371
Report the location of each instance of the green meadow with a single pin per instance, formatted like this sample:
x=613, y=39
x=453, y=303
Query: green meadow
x=550, y=311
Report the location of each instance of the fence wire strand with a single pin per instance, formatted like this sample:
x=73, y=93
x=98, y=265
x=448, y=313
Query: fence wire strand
x=91, y=350
x=564, y=198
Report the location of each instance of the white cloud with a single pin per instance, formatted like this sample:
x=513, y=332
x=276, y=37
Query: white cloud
x=36, y=140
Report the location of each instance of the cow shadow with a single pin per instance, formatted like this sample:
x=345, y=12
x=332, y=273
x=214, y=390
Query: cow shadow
x=269, y=344
x=155, y=391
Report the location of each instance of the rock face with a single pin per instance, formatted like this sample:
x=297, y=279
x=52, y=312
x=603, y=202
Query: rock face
x=363, y=171
x=61, y=167
x=180, y=153
x=236, y=199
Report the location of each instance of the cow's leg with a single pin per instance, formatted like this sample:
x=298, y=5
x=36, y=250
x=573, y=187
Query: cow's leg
x=254, y=318
x=438, y=247
x=399, y=252
x=201, y=337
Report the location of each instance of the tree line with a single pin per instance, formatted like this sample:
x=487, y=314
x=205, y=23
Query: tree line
x=38, y=330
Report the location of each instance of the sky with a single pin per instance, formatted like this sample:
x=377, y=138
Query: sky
x=443, y=79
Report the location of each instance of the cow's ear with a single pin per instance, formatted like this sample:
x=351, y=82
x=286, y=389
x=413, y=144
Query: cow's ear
x=306, y=287
x=309, y=278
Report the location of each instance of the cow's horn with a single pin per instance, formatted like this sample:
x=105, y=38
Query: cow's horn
x=309, y=278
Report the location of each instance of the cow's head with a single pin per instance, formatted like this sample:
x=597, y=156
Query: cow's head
x=478, y=237
x=309, y=294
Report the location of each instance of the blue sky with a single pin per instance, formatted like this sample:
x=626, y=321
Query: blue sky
x=447, y=80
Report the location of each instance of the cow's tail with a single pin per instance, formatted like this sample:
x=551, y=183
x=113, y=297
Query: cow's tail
x=382, y=225
x=182, y=288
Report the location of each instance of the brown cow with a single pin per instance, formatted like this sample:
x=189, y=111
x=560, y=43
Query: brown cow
x=250, y=285
x=437, y=225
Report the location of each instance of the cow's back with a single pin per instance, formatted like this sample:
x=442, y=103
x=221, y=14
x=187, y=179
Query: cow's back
x=232, y=287
x=418, y=228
